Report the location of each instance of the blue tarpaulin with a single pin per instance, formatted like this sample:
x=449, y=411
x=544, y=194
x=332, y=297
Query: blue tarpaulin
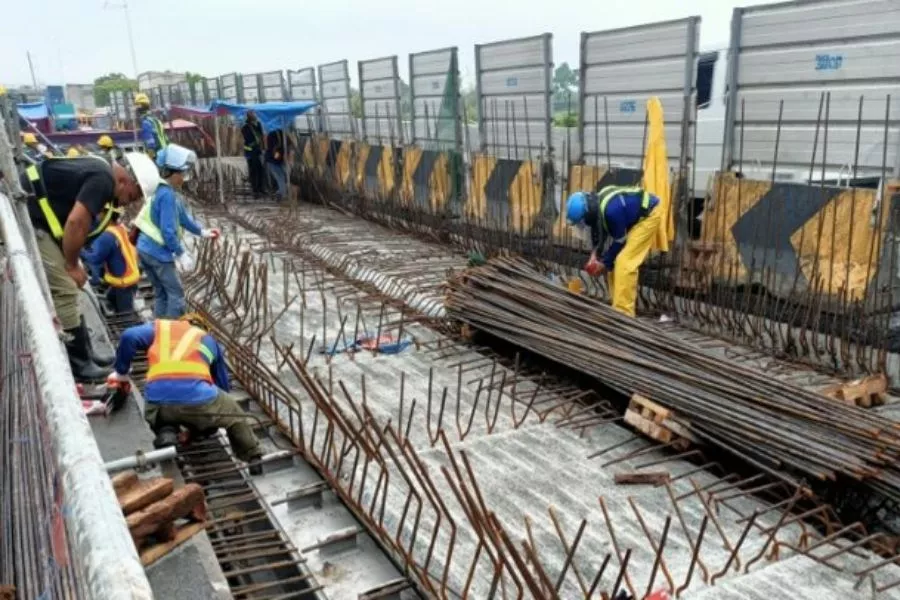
x=34, y=111
x=272, y=115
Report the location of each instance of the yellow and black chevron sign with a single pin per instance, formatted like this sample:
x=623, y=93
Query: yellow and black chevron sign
x=506, y=193
x=426, y=179
x=376, y=168
x=791, y=236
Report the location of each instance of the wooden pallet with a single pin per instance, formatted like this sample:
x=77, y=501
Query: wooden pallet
x=866, y=392
x=656, y=422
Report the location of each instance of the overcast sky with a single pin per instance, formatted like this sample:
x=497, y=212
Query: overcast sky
x=75, y=41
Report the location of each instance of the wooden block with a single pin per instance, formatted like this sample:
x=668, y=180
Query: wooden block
x=656, y=422
x=153, y=553
x=184, y=502
x=646, y=478
x=145, y=493
x=866, y=392
x=124, y=481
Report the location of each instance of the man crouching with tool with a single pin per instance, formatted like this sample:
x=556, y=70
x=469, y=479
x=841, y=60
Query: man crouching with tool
x=187, y=383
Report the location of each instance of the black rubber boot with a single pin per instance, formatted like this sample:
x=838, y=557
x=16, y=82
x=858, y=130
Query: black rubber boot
x=166, y=436
x=103, y=360
x=84, y=369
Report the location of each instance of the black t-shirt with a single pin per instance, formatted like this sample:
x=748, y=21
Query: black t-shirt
x=88, y=180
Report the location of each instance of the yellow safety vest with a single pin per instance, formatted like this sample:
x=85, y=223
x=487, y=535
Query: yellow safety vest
x=145, y=223
x=56, y=229
x=162, y=140
x=177, y=352
x=132, y=273
x=611, y=191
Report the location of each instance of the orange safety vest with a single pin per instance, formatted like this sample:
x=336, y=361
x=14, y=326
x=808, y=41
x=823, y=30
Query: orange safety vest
x=132, y=273
x=177, y=352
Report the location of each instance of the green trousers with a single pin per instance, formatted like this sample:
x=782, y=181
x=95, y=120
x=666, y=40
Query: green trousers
x=62, y=287
x=222, y=412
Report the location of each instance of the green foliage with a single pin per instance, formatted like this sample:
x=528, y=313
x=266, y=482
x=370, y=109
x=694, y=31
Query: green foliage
x=113, y=82
x=565, y=119
x=194, y=78
x=355, y=103
x=564, y=90
x=469, y=108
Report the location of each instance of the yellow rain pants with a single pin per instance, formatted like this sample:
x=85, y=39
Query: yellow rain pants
x=623, y=280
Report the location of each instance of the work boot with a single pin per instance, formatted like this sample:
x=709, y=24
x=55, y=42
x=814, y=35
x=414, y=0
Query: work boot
x=84, y=369
x=166, y=436
x=103, y=360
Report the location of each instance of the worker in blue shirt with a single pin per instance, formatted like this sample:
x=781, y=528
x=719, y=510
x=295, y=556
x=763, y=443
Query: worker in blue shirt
x=186, y=383
x=114, y=256
x=153, y=133
x=162, y=222
x=629, y=217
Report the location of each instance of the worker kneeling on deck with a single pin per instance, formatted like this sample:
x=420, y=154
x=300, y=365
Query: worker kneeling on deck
x=113, y=255
x=187, y=383
x=630, y=217
x=72, y=201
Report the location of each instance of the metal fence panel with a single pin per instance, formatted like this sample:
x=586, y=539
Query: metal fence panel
x=212, y=91
x=379, y=90
x=165, y=97
x=251, y=87
x=122, y=105
x=620, y=70
x=230, y=88
x=302, y=88
x=186, y=90
x=793, y=57
x=434, y=91
x=272, y=86
x=175, y=94
x=334, y=82
x=513, y=80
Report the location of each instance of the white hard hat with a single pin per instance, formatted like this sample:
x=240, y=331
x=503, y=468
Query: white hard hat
x=144, y=171
x=176, y=158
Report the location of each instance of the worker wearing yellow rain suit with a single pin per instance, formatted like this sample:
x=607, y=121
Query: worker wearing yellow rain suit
x=636, y=219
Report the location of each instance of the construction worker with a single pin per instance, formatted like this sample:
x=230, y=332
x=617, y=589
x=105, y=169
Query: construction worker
x=275, y=150
x=73, y=152
x=113, y=254
x=34, y=149
x=629, y=217
x=153, y=134
x=254, y=145
x=67, y=195
x=108, y=147
x=187, y=383
x=162, y=222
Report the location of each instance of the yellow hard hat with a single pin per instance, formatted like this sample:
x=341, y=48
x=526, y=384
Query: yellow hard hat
x=142, y=100
x=73, y=152
x=29, y=138
x=105, y=142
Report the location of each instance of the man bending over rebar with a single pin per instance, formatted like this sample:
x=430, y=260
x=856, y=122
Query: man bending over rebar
x=627, y=215
x=187, y=384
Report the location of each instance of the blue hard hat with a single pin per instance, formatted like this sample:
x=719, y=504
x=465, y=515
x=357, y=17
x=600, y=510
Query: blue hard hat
x=176, y=158
x=576, y=208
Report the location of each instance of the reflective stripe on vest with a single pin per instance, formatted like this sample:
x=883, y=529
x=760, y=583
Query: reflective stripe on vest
x=145, y=223
x=132, y=273
x=162, y=140
x=56, y=229
x=611, y=191
x=177, y=352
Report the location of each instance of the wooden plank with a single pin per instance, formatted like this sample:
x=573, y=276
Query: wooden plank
x=145, y=493
x=638, y=478
x=159, y=516
x=124, y=481
x=151, y=554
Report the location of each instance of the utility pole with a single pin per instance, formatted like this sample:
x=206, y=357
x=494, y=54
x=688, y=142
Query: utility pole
x=31, y=68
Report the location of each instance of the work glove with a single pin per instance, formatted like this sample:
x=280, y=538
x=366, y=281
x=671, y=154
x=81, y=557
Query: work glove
x=213, y=233
x=594, y=267
x=118, y=381
x=184, y=263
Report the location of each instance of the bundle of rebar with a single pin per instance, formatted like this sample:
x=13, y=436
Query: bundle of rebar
x=792, y=433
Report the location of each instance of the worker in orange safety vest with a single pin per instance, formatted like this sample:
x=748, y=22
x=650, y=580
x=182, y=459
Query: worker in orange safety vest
x=113, y=255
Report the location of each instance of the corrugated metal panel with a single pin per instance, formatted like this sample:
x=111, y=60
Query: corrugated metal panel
x=379, y=84
x=434, y=87
x=230, y=90
x=621, y=69
x=187, y=92
x=334, y=89
x=165, y=97
x=830, y=53
x=512, y=75
x=272, y=86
